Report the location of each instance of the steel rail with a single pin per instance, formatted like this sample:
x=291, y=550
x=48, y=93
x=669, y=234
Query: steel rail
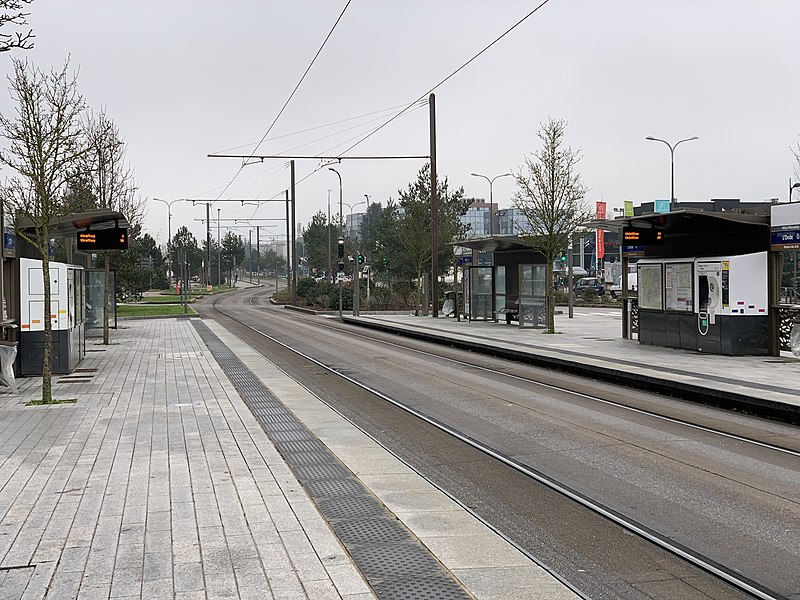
x=705, y=563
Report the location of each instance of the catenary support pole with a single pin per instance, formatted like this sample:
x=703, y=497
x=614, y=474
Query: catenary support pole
x=434, y=210
x=294, y=246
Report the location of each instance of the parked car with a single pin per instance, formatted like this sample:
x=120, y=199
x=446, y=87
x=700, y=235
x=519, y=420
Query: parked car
x=617, y=287
x=589, y=283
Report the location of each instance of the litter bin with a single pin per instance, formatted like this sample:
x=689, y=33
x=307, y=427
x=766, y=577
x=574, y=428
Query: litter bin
x=8, y=353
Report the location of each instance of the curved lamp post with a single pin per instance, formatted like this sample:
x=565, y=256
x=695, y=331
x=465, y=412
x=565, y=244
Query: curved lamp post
x=351, y=207
x=169, y=229
x=671, y=160
x=491, y=201
x=792, y=187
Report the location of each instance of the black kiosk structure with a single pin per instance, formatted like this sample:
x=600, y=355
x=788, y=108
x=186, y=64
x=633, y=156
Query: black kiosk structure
x=703, y=279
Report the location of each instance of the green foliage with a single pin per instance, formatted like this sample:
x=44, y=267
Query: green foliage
x=414, y=235
x=233, y=252
x=316, y=237
x=151, y=310
x=184, y=242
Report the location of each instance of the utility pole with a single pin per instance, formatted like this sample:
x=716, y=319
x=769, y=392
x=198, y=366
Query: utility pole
x=219, y=252
x=250, y=254
x=294, y=246
x=208, y=244
x=434, y=211
x=288, y=245
x=330, y=267
x=258, y=254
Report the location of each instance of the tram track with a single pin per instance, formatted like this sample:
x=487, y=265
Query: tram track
x=738, y=581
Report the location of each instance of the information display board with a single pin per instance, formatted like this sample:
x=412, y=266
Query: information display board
x=642, y=236
x=678, y=286
x=103, y=239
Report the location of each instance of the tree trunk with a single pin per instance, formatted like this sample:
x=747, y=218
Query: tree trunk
x=47, y=355
x=106, y=300
x=551, y=299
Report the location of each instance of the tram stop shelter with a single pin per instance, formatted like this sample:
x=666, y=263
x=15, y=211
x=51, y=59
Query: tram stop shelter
x=77, y=291
x=706, y=280
x=511, y=288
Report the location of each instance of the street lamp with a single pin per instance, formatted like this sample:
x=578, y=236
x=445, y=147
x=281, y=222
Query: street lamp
x=792, y=186
x=672, y=161
x=330, y=266
x=341, y=279
x=351, y=207
x=491, y=201
x=169, y=230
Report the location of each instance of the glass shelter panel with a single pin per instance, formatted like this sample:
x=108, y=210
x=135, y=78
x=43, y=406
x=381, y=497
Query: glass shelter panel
x=532, y=299
x=95, y=284
x=481, y=293
x=499, y=288
x=651, y=292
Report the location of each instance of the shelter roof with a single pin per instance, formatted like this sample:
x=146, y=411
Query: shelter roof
x=70, y=225
x=495, y=243
x=685, y=220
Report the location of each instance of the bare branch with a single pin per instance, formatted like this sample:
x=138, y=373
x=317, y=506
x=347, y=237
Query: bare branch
x=11, y=13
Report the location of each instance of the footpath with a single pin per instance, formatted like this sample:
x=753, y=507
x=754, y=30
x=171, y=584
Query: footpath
x=156, y=480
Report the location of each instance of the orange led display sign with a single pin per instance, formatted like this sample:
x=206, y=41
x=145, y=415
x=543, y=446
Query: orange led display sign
x=103, y=239
x=638, y=236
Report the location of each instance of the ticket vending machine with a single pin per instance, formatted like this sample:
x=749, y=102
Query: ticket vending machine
x=731, y=303
x=66, y=314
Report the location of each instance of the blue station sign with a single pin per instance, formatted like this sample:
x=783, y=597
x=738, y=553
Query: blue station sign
x=785, y=239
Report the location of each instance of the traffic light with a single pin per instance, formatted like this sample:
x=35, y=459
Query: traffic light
x=563, y=256
x=340, y=242
x=340, y=267
x=361, y=259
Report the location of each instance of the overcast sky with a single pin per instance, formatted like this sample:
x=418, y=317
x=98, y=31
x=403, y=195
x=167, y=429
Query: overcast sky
x=185, y=78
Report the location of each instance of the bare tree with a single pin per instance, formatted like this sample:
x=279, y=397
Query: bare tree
x=796, y=152
x=551, y=197
x=112, y=182
x=45, y=141
x=11, y=13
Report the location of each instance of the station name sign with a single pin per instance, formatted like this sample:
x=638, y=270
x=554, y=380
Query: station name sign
x=103, y=239
x=641, y=236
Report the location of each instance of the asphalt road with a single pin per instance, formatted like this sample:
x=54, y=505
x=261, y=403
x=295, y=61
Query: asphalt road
x=729, y=500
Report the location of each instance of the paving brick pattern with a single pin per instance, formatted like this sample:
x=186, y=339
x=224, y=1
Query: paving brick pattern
x=156, y=483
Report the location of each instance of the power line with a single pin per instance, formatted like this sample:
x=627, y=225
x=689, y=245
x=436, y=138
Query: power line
x=446, y=79
x=289, y=99
x=314, y=128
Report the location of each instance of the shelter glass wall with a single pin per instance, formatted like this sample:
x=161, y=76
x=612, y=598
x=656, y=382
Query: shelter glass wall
x=532, y=299
x=481, y=292
x=95, y=285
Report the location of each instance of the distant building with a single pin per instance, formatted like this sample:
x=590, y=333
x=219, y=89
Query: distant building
x=353, y=223
x=478, y=218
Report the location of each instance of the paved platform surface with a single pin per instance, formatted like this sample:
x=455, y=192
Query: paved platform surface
x=158, y=482
x=592, y=339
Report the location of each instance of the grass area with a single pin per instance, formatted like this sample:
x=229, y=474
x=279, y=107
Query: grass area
x=151, y=310
x=163, y=299
x=54, y=401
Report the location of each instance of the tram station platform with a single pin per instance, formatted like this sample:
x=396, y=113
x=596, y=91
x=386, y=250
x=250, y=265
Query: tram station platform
x=591, y=344
x=155, y=479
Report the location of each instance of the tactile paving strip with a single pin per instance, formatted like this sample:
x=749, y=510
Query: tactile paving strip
x=392, y=559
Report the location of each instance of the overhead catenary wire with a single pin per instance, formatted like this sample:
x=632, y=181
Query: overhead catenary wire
x=316, y=127
x=289, y=99
x=450, y=76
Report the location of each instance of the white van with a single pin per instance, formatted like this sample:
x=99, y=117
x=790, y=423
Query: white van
x=617, y=287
